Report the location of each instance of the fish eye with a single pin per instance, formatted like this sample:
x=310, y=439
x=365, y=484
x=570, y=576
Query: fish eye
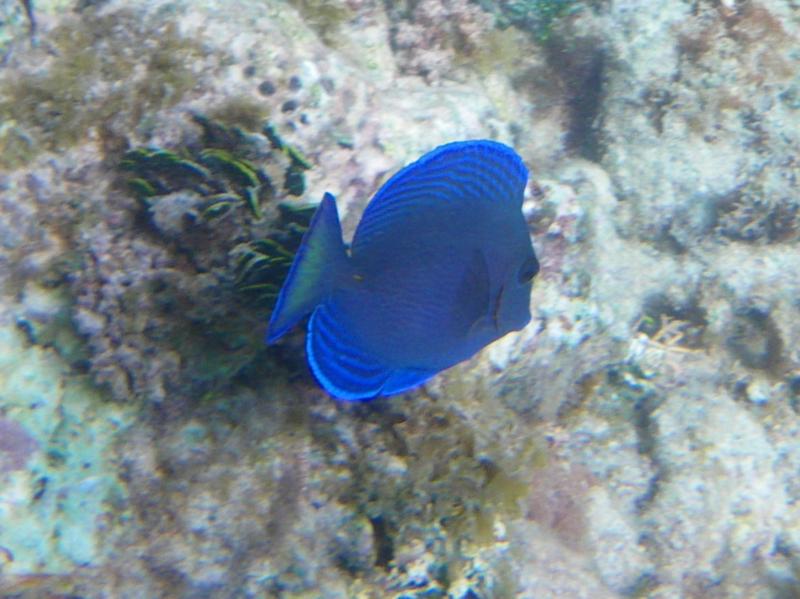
x=528, y=270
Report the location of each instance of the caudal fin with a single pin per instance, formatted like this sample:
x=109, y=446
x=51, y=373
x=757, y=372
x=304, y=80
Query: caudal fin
x=316, y=267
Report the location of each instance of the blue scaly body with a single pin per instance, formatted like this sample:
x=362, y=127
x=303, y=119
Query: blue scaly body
x=441, y=265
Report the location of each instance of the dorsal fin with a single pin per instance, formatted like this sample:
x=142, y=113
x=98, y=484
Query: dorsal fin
x=467, y=171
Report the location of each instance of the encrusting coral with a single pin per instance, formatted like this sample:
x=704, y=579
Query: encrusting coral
x=639, y=438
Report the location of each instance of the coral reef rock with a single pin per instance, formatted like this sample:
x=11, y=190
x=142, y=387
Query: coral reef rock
x=641, y=437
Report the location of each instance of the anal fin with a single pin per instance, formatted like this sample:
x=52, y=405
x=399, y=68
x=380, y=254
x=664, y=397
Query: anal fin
x=341, y=367
x=346, y=371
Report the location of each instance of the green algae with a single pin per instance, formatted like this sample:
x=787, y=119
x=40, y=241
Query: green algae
x=214, y=197
x=95, y=78
x=294, y=179
x=238, y=171
x=223, y=177
x=263, y=265
x=539, y=17
x=227, y=170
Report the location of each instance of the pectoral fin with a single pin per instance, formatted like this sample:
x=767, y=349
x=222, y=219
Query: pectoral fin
x=472, y=305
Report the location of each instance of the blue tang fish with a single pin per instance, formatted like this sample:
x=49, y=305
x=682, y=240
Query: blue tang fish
x=440, y=265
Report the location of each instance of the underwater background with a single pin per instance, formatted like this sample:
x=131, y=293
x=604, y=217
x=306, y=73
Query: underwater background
x=159, y=163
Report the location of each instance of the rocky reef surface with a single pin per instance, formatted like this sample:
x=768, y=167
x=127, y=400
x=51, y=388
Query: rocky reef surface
x=641, y=438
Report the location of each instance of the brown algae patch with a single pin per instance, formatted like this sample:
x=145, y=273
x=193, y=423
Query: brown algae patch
x=106, y=70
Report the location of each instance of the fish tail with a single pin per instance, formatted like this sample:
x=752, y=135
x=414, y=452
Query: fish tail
x=319, y=262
